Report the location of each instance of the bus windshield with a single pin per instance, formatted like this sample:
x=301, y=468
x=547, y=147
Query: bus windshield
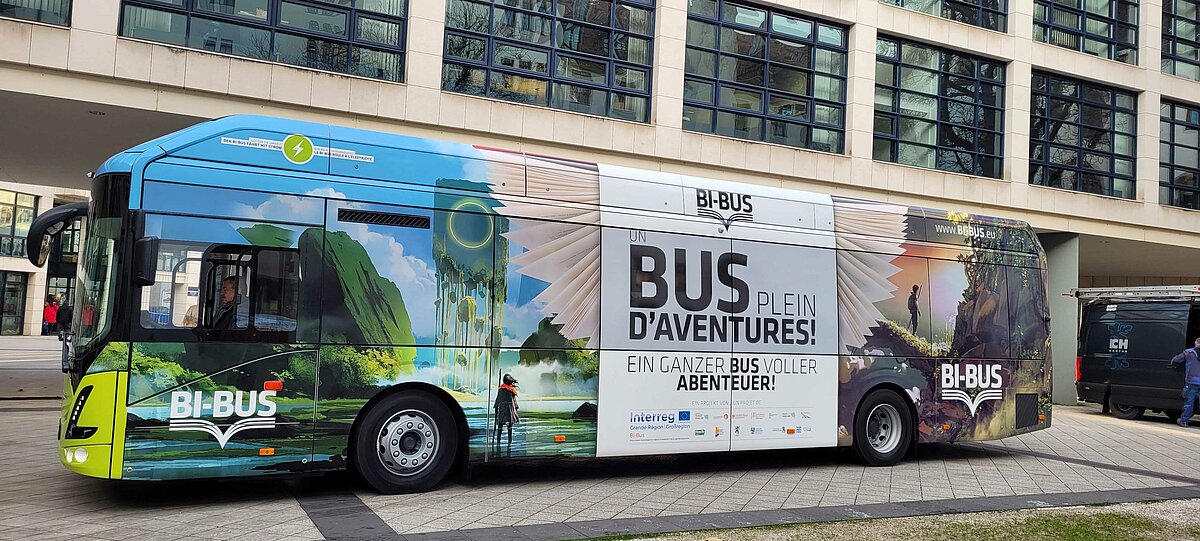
x=97, y=269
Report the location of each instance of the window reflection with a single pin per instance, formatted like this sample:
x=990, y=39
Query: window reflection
x=990, y=14
x=16, y=215
x=1104, y=28
x=948, y=114
x=56, y=12
x=314, y=36
x=1179, y=155
x=587, y=56
x=1089, y=136
x=769, y=71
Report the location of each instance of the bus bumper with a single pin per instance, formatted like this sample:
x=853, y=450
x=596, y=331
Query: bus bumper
x=89, y=460
x=91, y=433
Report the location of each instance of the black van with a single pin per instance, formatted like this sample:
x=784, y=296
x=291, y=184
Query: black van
x=1125, y=349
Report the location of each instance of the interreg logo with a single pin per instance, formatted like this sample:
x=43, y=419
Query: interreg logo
x=661, y=418
x=724, y=207
x=255, y=409
x=972, y=384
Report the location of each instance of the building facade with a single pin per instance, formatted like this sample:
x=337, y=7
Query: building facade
x=24, y=288
x=1079, y=116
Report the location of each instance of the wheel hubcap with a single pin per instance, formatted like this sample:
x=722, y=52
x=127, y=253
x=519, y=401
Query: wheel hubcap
x=407, y=442
x=884, y=428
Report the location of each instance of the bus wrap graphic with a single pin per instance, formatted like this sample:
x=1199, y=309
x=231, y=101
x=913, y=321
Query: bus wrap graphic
x=478, y=272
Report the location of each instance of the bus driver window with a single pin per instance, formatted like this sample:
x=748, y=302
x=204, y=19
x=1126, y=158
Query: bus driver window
x=250, y=294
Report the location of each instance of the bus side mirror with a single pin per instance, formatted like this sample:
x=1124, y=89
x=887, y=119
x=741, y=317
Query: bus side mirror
x=145, y=261
x=45, y=226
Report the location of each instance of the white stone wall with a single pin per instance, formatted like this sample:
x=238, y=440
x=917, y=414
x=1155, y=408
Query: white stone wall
x=89, y=62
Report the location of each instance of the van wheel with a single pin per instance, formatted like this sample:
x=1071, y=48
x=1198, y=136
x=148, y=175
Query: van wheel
x=405, y=443
x=883, y=429
x=1121, y=411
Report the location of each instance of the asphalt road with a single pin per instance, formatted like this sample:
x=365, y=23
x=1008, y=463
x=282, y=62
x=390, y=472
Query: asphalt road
x=30, y=367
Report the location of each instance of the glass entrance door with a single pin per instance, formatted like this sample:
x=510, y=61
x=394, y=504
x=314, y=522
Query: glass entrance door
x=12, y=303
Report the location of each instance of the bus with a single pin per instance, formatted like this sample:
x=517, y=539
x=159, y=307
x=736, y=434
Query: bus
x=266, y=296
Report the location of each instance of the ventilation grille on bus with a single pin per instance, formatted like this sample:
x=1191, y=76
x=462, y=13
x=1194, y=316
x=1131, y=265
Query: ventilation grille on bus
x=383, y=218
x=1027, y=409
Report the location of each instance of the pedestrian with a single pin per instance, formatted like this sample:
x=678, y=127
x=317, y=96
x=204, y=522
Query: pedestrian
x=914, y=310
x=49, y=317
x=1190, y=360
x=506, y=410
x=65, y=315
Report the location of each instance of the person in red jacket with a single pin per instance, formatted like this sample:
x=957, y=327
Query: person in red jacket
x=50, y=317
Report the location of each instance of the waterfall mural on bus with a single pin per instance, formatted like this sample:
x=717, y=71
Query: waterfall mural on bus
x=477, y=305
x=961, y=329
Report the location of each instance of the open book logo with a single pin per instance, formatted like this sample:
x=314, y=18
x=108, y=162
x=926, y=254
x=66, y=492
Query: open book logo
x=972, y=403
x=984, y=381
x=724, y=207
x=254, y=410
x=208, y=427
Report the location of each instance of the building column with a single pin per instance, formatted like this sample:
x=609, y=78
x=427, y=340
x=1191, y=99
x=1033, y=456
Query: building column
x=35, y=300
x=1062, y=253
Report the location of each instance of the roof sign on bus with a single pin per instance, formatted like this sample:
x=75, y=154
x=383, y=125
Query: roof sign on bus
x=725, y=207
x=298, y=149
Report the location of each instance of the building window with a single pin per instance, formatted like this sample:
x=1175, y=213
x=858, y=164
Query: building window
x=1179, y=155
x=990, y=14
x=1181, y=39
x=587, y=56
x=760, y=74
x=16, y=215
x=1105, y=28
x=56, y=12
x=938, y=108
x=366, y=39
x=1083, y=136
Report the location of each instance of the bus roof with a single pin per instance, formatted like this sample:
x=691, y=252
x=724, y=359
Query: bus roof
x=352, y=152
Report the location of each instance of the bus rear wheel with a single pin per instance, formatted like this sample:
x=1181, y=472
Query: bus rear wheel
x=883, y=429
x=405, y=443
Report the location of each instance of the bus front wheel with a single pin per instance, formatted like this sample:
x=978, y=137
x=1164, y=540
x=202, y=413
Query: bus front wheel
x=883, y=428
x=405, y=443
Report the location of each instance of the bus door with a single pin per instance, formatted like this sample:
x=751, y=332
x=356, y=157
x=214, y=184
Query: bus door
x=223, y=361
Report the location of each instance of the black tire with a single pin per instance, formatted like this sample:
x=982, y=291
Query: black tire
x=1121, y=411
x=881, y=412
x=406, y=413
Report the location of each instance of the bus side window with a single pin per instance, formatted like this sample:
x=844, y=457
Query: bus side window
x=276, y=289
x=173, y=301
x=251, y=294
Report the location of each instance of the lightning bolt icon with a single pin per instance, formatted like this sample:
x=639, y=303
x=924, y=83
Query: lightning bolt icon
x=299, y=146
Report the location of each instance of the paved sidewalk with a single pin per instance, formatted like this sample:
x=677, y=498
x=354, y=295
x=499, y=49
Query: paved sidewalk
x=1086, y=457
x=30, y=367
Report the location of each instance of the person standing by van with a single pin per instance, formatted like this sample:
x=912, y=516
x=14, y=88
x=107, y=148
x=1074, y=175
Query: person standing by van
x=1190, y=360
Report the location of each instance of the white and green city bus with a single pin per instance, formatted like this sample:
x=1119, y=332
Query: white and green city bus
x=260, y=296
